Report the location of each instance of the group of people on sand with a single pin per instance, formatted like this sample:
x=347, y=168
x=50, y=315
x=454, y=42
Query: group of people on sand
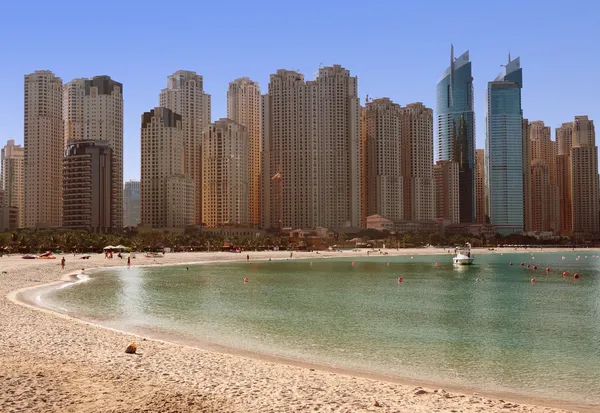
x=63, y=261
x=109, y=254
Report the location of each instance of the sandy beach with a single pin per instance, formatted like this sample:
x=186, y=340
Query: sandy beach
x=51, y=362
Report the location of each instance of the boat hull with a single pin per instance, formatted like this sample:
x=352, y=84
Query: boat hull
x=463, y=261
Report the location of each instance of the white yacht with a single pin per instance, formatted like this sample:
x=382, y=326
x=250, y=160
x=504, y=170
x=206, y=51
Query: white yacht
x=462, y=255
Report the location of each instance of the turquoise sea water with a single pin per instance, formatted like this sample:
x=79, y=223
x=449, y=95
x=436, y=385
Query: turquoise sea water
x=485, y=326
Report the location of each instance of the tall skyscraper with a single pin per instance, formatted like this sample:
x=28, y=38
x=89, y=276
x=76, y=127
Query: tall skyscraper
x=381, y=133
x=93, y=110
x=480, y=205
x=542, y=146
x=456, y=127
x=167, y=193
x=265, y=162
x=446, y=190
x=312, y=133
x=504, y=149
x=12, y=177
x=43, y=136
x=545, y=194
x=185, y=96
x=584, y=178
x=527, y=197
x=564, y=141
x=9, y=216
x=225, y=177
x=87, y=186
x=243, y=107
x=417, y=162
x=564, y=138
x=131, y=204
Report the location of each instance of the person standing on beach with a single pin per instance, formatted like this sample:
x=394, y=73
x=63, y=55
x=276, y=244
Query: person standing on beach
x=247, y=257
x=128, y=261
x=62, y=263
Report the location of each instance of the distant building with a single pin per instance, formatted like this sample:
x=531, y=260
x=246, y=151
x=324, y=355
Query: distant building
x=564, y=143
x=543, y=147
x=480, y=201
x=9, y=216
x=11, y=179
x=584, y=178
x=379, y=223
x=185, y=96
x=131, y=204
x=446, y=191
x=44, y=149
x=417, y=162
x=456, y=127
x=381, y=153
x=545, y=207
x=88, y=174
x=504, y=149
x=167, y=193
x=243, y=107
x=478, y=230
x=527, y=198
x=544, y=198
x=427, y=227
x=225, y=174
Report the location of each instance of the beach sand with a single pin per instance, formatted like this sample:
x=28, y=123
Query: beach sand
x=53, y=363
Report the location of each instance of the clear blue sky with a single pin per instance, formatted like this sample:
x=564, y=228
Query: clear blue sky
x=397, y=49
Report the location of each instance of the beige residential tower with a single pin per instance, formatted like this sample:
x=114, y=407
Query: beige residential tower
x=11, y=180
x=417, y=162
x=381, y=133
x=243, y=107
x=185, y=96
x=311, y=138
x=93, y=111
x=167, y=193
x=225, y=178
x=43, y=137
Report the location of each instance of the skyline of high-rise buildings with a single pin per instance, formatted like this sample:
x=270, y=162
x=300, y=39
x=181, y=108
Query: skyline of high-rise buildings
x=308, y=155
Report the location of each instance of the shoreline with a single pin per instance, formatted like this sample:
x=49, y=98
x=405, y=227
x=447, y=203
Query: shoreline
x=378, y=382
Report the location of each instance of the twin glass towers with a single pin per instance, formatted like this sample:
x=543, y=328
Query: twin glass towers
x=504, y=141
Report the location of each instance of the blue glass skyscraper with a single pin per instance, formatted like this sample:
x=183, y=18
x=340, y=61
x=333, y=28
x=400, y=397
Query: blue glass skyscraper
x=504, y=149
x=456, y=128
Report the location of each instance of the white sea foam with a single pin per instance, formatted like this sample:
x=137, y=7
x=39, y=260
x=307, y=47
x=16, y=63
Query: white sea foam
x=81, y=278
